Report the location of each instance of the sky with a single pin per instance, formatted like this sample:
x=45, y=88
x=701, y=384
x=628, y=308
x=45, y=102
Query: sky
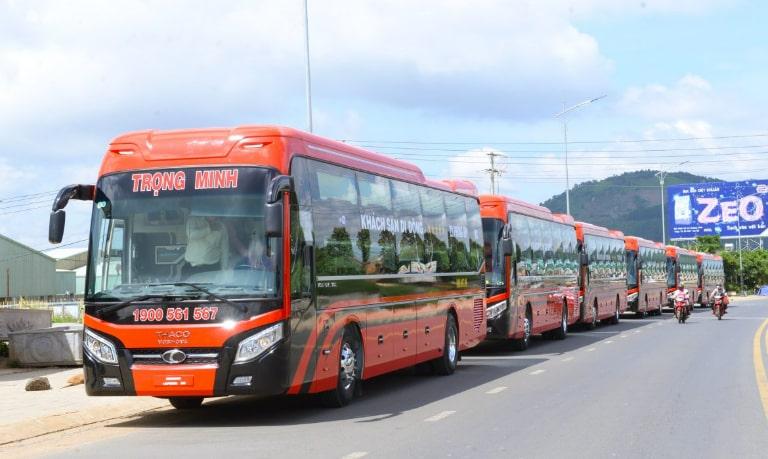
x=437, y=83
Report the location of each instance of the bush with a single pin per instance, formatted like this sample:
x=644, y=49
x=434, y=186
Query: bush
x=3, y=349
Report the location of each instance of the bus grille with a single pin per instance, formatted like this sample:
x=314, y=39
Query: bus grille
x=477, y=314
x=196, y=356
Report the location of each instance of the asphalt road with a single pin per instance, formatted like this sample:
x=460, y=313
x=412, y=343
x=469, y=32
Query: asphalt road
x=643, y=388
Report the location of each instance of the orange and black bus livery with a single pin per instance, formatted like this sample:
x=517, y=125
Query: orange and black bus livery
x=682, y=269
x=531, y=266
x=646, y=276
x=710, y=276
x=603, y=276
x=265, y=260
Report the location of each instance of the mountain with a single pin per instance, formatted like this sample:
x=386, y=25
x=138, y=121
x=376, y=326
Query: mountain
x=629, y=202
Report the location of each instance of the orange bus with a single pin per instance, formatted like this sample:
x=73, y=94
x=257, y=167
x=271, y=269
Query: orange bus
x=646, y=276
x=603, y=276
x=710, y=276
x=531, y=265
x=265, y=260
x=682, y=269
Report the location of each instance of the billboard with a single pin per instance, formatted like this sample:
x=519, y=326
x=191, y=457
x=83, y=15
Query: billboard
x=725, y=209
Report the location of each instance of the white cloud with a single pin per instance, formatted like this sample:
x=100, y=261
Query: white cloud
x=690, y=96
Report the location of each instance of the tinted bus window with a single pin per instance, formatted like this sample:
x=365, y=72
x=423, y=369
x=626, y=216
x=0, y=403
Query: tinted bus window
x=458, y=233
x=407, y=210
x=336, y=221
x=435, y=231
x=376, y=239
x=631, y=269
x=475, y=223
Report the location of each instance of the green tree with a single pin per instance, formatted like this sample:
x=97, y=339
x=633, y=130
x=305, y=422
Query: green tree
x=755, y=270
x=708, y=244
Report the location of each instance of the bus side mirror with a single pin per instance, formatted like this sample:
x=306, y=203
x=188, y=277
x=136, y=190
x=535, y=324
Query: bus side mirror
x=507, y=247
x=279, y=185
x=58, y=216
x=56, y=226
x=273, y=219
x=583, y=259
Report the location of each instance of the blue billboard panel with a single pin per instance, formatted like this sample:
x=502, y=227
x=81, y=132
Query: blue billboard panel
x=725, y=209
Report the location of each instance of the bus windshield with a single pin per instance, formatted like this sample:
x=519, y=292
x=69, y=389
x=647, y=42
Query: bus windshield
x=165, y=232
x=494, y=260
x=631, y=269
x=671, y=272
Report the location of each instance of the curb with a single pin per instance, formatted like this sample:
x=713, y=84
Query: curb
x=25, y=430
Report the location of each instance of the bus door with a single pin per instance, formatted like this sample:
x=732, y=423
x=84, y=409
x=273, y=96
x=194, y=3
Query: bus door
x=513, y=286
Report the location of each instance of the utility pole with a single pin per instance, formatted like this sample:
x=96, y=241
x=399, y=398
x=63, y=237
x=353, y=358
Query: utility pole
x=661, y=175
x=308, y=73
x=493, y=172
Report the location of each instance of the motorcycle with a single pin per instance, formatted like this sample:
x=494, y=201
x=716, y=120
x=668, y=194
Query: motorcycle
x=718, y=308
x=681, y=308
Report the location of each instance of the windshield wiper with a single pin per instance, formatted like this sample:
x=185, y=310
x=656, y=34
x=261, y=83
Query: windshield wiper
x=243, y=308
x=149, y=296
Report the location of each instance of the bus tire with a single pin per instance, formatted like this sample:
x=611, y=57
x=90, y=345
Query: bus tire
x=523, y=343
x=446, y=364
x=350, y=370
x=562, y=331
x=186, y=403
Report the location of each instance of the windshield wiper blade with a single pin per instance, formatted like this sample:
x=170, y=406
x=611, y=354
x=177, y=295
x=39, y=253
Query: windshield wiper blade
x=243, y=308
x=149, y=296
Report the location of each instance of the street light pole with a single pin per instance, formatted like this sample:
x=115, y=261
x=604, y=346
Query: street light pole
x=308, y=73
x=565, y=145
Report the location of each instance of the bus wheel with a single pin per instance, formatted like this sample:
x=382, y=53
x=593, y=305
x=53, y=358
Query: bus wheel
x=592, y=325
x=350, y=370
x=446, y=364
x=616, y=314
x=562, y=331
x=522, y=343
x=186, y=403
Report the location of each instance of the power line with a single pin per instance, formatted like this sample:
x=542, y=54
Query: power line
x=644, y=150
x=25, y=210
x=24, y=197
x=679, y=139
x=48, y=249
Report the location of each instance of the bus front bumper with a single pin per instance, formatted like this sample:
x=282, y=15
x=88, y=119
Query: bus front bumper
x=140, y=372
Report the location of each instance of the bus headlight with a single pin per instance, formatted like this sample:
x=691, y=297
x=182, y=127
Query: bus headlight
x=495, y=310
x=255, y=345
x=99, y=347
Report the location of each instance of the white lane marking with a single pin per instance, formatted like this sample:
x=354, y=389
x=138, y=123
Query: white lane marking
x=496, y=390
x=355, y=455
x=624, y=336
x=591, y=349
x=439, y=416
x=608, y=342
x=538, y=372
x=567, y=359
x=638, y=331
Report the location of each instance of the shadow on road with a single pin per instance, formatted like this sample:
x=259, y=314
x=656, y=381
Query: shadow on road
x=386, y=396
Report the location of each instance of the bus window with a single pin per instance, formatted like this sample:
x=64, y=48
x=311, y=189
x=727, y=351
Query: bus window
x=458, y=233
x=376, y=239
x=336, y=221
x=435, y=231
x=407, y=211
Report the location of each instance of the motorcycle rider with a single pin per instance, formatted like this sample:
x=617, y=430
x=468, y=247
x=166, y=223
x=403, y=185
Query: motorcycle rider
x=681, y=294
x=720, y=291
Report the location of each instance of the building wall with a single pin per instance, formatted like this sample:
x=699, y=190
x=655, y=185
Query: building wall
x=65, y=282
x=29, y=273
